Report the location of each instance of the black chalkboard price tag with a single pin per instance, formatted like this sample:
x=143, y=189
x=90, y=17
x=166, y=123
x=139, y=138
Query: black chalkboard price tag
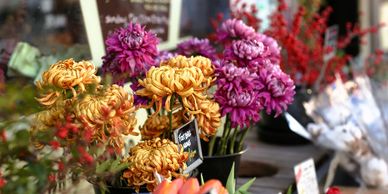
x=154, y=14
x=188, y=137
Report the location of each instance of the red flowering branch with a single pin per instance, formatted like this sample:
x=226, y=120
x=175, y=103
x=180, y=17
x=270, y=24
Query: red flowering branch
x=302, y=41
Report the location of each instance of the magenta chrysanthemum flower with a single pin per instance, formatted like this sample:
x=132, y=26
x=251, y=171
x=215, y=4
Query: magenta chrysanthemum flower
x=253, y=54
x=278, y=91
x=272, y=51
x=242, y=107
x=230, y=77
x=130, y=50
x=233, y=29
x=195, y=46
x=237, y=94
x=138, y=100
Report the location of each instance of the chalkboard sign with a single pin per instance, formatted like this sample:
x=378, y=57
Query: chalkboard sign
x=103, y=16
x=154, y=14
x=188, y=137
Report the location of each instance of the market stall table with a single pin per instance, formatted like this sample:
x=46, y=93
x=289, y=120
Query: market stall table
x=277, y=161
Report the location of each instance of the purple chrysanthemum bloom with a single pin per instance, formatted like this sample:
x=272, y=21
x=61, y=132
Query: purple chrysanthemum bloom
x=233, y=29
x=195, y=46
x=138, y=100
x=278, y=91
x=272, y=51
x=231, y=77
x=164, y=56
x=253, y=54
x=242, y=107
x=130, y=50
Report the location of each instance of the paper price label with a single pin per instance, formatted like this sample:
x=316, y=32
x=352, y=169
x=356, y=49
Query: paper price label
x=306, y=178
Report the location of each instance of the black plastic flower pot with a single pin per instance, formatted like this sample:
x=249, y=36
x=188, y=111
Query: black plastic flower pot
x=276, y=131
x=120, y=190
x=218, y=167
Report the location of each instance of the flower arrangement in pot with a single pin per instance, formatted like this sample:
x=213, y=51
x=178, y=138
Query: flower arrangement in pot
x=310, y=61
x=248, y=80
x=173, y=89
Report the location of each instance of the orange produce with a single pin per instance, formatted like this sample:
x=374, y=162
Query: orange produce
x=189, y=186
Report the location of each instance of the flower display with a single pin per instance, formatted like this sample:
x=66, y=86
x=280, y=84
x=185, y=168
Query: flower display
x=155, y=155
x=131, y=51
x=196, y=47
x=248, y=80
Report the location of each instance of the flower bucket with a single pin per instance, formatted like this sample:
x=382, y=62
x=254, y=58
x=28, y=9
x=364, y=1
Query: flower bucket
x=276, y=130
x=218, y=167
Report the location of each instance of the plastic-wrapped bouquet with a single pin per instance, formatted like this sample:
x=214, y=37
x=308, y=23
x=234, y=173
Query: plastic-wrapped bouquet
x=349, y=120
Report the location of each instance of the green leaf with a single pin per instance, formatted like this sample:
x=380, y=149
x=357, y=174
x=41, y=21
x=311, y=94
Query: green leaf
x=231, y=183
x=119, y=168
x=102, y=167
x=289, y=190
x=114, y=164
x=202, y=181
x=244, y=188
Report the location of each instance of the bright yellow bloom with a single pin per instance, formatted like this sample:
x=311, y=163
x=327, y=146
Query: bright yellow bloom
x=156, y=124
x=155, y=155
x=63, y=75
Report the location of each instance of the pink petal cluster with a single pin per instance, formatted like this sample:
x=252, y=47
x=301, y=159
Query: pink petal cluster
x=242, y=107
x=237, y=94
x=233, y=29
x=278, y=91
x=249, y=79
x=130, y=51
x=254, y=54
x=231, y=77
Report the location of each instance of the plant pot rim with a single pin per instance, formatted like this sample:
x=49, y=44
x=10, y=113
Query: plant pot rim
x=245, y=148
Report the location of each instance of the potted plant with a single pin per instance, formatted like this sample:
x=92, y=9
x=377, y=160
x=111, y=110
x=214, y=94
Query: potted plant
x=303, y=56
x=248, y=80
x=173, y=91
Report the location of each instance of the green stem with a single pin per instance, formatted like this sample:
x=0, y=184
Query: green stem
x=242, y=138
x=231, y=148
x=225, y=139
x=149, y=111
x=211, y=145
x=221, y=142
